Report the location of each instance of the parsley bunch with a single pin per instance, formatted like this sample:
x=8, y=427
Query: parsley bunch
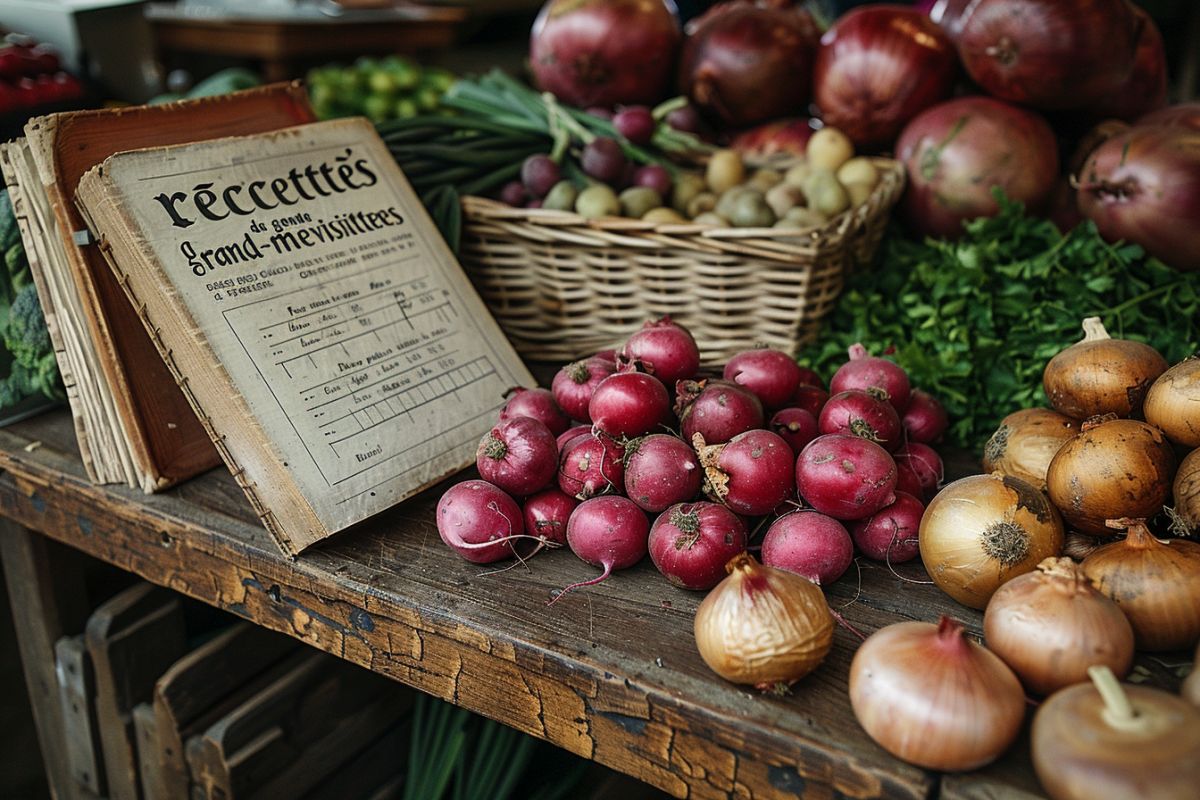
x=975, y=321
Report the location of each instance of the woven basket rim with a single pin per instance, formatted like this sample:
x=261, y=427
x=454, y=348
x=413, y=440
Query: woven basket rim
x=483, y=208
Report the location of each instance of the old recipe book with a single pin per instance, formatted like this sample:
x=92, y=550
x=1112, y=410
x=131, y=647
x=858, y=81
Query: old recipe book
x=330, y=344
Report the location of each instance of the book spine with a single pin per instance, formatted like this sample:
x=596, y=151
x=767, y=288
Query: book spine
x=266, y=515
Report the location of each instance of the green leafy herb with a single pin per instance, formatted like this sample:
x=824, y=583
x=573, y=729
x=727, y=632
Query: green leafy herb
x=975, y=321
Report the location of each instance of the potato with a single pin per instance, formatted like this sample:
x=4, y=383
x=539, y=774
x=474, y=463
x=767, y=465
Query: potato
x=825, y=194
x=725, y=170
x=829, y=148
x=783, y=197
x=663, y=216
x=687, y=186
x=598, y=201
x=858, y=170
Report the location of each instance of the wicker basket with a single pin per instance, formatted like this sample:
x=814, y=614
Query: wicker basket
x=563, y=287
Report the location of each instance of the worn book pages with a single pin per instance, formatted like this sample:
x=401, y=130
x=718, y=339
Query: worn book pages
x=326, y=336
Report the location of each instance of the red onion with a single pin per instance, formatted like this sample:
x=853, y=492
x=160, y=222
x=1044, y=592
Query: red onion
x=629, y=404
x=781, y=136
x=1052, y=54
x=1184, y=115
x=956, y=152
x=606, y=532
x=811, y=398
x=923, y=462
x=604, y=52
x=591, y=465
x=772, y=375
x=744, y=64
x=950, y=15
x=890, y=534
x=479, y=521
x=877, y=68
x=1146, y=87
x=1144, y=186
x=925, y=418
x=570, y=434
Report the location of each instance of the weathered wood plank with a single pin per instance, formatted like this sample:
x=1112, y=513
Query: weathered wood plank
x=199, y=689
x=150, y=768
x=132, y=638
x=77, y=690
x=44, y=583
x=377, y=768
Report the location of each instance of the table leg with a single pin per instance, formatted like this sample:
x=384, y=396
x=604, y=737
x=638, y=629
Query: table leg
x=46, y=590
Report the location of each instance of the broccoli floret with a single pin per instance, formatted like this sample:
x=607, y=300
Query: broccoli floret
x=18, y=267
x=25, y=335
x=23, y=382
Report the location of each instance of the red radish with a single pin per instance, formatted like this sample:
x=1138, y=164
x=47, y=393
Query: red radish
x=691, y=543
x=923, y=462
x=479, y=521
x=660, y=471
x=574, y=384
x=907, y=480
x=874, y=375
x=519, y=455
x=570, y=434
x=809, y=377
x=771, y=374
x=925, y=418
x=546, y=514
x=846, y=477
x=666, y=349
x=635, y=123
x=891, y=533
x=536, y=403
x=608, y=532
x=811, y=398
x=653, y=177
x=629, y=404
x=863, y=415
x=591, y=465
x=751, y=473
x=808, y=543
x=795, y=426
x=719, y=410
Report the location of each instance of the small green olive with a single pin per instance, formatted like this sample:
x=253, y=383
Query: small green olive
x=801, y=219
x=598, y=201
x=687, y=186
x=711, y=218
x=725, y=202
x=829, y=148
x=750, y=210
x=797, y=173
x=637, y=200
x=764, y=179
x=561, y=196
x=725, y=170
x=859, y=193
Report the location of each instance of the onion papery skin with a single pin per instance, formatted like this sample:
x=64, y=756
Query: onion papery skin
x=1144, y=187
x=743, y=64
x=1026, y=442
x=1182, y=115
x=1173, y=403
x=605, y=52
x=1078, y=755
x=1051, y=624
x=763, y=626
x=1186, y=492
x=877, y=68
x=1119, y=468
x=1063, y=54
x=1156, y=583
x=1145, y=90
x=928, y=695
x=1101, y=375
x=957, y=151
x=984, y=530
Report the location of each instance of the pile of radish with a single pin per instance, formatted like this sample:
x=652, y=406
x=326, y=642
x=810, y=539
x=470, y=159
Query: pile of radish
x=636, y=452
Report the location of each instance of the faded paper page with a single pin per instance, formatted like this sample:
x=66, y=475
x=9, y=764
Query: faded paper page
x=310, y=267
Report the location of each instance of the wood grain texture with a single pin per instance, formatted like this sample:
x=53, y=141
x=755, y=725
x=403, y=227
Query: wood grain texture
x=44, y=583
x=77, y=691
x=609, y=673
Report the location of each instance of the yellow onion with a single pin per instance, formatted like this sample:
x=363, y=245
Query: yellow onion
x=1025, y=443
x=1105, y=739
x=928, y=695
x=1101, y=375
x=1079, y=545
x=1187, y=494
x=1156, y=583
x=983, y=530
x=1051, y=624
x=1114, y=468
x=1173, y=403
x=763, y=626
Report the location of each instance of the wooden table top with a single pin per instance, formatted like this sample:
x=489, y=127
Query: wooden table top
x=609, y=672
